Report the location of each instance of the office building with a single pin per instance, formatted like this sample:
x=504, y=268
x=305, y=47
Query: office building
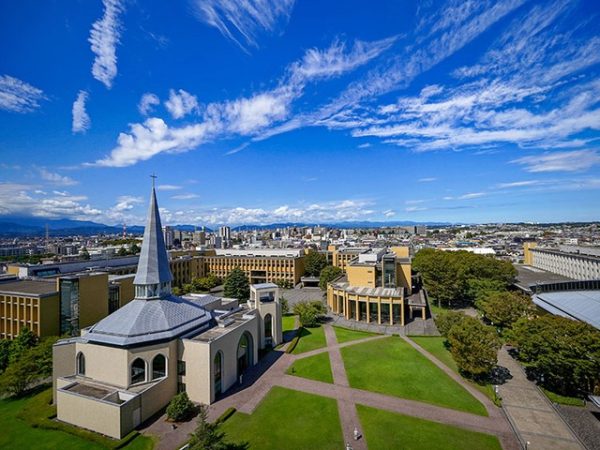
x=580, y=265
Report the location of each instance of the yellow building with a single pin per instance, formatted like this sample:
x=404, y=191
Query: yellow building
x=259, y=265
x=377, y=288
x=28, y=303
x=340, y=257
x=527, y=255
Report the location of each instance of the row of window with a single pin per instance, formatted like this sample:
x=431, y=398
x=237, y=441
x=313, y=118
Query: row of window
x=138, y=372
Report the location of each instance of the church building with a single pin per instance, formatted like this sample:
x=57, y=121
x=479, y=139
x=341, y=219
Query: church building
x=125, y=368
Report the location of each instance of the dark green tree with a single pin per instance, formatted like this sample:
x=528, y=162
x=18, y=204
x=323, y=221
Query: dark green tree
x=236, y=285
x=84, y=254
x=474, y=347
x=328, y=274
x=445, y=321
x=502, y=309
x=25, y=340
x=134, y=249
x=562, y=354
x=314, y=262
x=5, y=347
x=122, y=252
x=208, y=436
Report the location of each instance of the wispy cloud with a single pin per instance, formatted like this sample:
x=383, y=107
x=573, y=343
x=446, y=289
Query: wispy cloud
x=181, y=103
x=81, y=119
x=578, y=160
x=518, y=184
x=168, y=187
x=55, y=178
x=243, y=21
x=185, y=196
x=104, y=37
x=18, y=96
x=245, y=116
x=147, y=103
x=427, y=180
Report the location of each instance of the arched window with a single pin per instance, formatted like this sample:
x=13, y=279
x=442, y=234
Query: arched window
x=268, y=326
x=218, y=369
x=245, y=353
x=159, y=367
x=138, y=371
x=80, y=364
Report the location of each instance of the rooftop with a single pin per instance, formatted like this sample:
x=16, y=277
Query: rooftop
x=530, y=276
x=29, y=287
x=369, y=291
x=579, y=305
x=231, y=321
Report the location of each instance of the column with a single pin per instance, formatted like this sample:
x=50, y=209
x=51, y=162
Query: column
x=402, y=310
x=357, y=314
x=368, y=311
x=379, y=310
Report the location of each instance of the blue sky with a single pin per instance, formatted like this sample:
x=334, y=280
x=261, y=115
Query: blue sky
x=261, y=111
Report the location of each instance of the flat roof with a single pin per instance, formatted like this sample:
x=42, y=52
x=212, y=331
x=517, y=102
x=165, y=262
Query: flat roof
x=530, y=276
x=561, y=253
x=369, y=291
x=579, y=305
x=29, y=287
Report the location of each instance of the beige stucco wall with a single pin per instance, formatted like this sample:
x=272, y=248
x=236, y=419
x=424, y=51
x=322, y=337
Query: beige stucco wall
x=93, y=298
x=361, y=275
x=273, y=308
x=63, y=363
x=101, y=417
x=199, y=357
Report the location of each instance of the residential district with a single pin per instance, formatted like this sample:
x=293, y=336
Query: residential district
x=303, y=337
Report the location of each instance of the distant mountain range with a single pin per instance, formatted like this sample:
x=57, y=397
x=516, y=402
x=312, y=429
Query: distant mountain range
x=15, y=226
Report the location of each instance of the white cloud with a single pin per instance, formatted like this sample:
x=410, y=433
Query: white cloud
x=518, y=184
x=22, y=199
x=181, y=103
x=168, y=187
x=578, y=160
x=126, y=203
x=104, y=37
x=427, y=179
x=389, y=213
x=184, y=196
x=81, y=119
x=55, y=178
x=19, y=96
x=242, y=21
x=147, y=103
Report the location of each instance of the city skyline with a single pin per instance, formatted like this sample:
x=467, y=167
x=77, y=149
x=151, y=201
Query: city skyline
x=297, y=112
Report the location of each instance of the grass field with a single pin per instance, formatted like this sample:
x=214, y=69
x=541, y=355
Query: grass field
x=315, y=367
x=310, y=339
x=562, y=399
x=287, y=322
x=290, y=420
x=346, y=335
x=385, y=430
x=391, y=366
x=435, y=346
x=17, y=433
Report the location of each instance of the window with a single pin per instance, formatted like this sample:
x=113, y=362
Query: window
x=159, y=367
x=218, y=368
x=80, y=364
x=181, y=368
x=138, y=371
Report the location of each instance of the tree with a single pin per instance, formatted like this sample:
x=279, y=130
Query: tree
x=328, y=274
x=236, y=285
x=5, y=347
x=309, y=312
x=285, y=305
x=180, y=408
x=134, y=249
x=207, y=435
x=206, y=283
x=314, y=262
x=122, y=252
x=502, y=309
x=84, y=254
x=474, y=347
x=562, y=354
x=447, y=320
x=25, y=340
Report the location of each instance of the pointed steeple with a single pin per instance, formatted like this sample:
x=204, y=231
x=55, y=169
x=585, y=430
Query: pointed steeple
x=153, y=277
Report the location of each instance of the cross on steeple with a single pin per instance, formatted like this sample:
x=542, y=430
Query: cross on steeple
x=154, y=177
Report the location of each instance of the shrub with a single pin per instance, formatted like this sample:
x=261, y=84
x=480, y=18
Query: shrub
x=180, y=408
x=328, y=274
x=309, y=312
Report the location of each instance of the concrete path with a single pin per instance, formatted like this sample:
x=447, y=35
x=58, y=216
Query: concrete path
x=531, y=413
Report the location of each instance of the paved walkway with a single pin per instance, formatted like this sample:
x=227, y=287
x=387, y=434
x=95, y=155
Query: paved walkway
x=271, y=371
x=530, y=411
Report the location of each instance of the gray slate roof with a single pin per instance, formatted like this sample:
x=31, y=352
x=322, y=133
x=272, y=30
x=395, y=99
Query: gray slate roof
x=153, y=265
x=143, y=321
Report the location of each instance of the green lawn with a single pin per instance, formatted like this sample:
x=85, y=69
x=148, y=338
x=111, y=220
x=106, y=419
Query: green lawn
x=291, y=420
x=435, y=346
x=391, y=366
x=385, y=430
x=287, y=322
x=18, y=433
x=310, y=339
x=562, y=399
x=345, y=335
x=316, y=367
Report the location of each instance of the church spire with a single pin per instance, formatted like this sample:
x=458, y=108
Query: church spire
x=153, y=276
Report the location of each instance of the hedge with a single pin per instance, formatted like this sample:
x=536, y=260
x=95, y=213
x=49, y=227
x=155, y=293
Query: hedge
x=226, y=415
